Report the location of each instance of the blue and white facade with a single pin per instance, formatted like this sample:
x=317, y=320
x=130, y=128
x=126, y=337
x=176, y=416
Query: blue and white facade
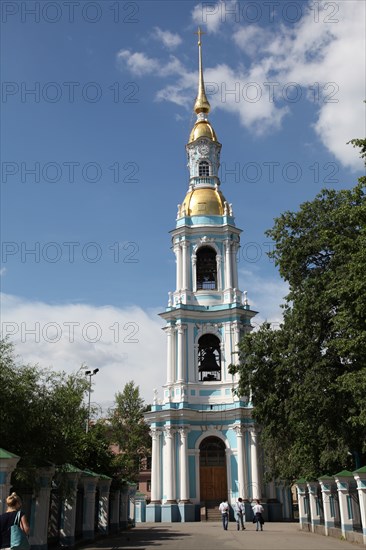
x=204, y=441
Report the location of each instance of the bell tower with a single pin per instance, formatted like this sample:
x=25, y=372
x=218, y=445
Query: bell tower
x=204, y=442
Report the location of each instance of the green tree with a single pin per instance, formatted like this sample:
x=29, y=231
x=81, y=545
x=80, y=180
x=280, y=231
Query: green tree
x=129, y=431
x=42, y=418
x=308, y=378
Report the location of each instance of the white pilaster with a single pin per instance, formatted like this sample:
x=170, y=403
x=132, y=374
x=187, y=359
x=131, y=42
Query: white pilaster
x=155, y=465
x=184, y=473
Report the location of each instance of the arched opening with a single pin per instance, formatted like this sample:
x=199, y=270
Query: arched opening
x=213, y=482
x=206, y=269
x=209, y=358
x=203, y=168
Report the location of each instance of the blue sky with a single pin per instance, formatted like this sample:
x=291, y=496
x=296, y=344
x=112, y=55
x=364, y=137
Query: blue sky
x=94, y=165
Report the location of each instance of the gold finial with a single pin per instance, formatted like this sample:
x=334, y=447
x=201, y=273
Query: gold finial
x=201, y=105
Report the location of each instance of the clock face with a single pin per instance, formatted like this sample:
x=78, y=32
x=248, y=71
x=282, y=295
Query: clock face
x=203, y=149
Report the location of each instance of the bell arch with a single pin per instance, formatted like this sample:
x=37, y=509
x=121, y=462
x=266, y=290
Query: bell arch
x=209, y=358
x=206, y=268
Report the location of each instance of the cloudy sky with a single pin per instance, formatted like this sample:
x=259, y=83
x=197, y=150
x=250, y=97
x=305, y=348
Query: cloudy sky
x=97, y=104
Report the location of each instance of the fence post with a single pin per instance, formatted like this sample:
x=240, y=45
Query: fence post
x=314, y=505
x=38, y=538
x=89, y=480
x=326, y=488
x=345, y=505
x=301, y=486
x=360, y=477
x=103, y=504
x=71, y=475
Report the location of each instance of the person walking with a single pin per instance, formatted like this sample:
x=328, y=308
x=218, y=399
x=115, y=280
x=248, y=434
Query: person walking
x=258, y=515
x=224, y=509
x=240, y=514
x=7, y=519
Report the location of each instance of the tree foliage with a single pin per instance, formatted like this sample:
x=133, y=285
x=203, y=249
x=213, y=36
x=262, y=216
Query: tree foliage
x=130, y=431
x=43, y=417
x=308, y=379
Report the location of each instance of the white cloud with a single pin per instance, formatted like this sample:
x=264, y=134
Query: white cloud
x=169, y=39
x=125, y=344
x=138, y=63
x=265, y=295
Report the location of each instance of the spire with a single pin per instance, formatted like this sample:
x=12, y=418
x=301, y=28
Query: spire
x=201, y=105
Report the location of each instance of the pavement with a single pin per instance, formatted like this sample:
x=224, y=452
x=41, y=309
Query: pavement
x=210, y=535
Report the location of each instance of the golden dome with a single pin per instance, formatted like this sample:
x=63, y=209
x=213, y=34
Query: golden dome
x=203, y=202
x=202, y=128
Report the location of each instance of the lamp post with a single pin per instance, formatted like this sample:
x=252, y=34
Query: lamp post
x=90, y=374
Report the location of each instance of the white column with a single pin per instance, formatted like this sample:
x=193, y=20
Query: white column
x=228, y=270
x=241, y=460
x=155, y=465
x=169, y=469
x=235, y=265
x=185, y=246
x=178, y=255
x=181, y=353
x=170, y=360
x=256, y=491
x=194, y=272
x=184, y=469
x=219, y=275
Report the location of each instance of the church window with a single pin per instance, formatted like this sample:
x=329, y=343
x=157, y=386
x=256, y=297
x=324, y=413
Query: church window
x=203, y=168
x=209, y=358
x=206, y=269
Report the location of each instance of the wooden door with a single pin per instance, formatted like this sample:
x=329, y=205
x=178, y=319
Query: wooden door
x=213, y=484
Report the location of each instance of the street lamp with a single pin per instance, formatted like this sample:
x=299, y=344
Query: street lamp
x=90, y=374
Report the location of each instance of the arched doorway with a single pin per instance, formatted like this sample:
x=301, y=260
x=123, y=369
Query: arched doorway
x=213, y=482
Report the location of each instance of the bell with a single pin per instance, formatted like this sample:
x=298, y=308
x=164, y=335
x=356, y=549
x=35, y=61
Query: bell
x=209, y=362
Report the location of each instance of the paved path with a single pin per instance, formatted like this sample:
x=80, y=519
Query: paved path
x=207, y=535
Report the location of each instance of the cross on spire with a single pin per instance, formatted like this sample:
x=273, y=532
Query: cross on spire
x=200, y=33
